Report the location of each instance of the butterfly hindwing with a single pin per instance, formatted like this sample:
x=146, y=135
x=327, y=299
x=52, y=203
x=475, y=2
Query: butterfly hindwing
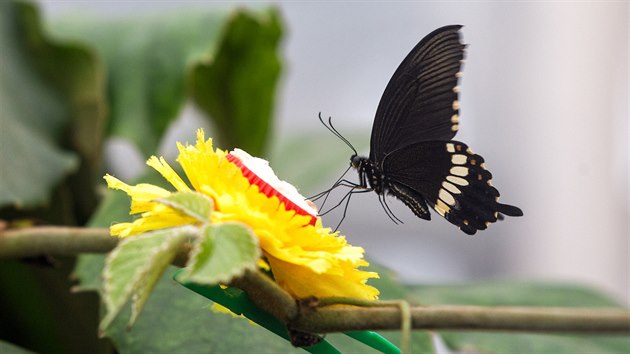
x=451, y=178
x=420, y=101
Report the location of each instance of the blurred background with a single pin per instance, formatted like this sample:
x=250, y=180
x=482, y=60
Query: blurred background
x=544, y=99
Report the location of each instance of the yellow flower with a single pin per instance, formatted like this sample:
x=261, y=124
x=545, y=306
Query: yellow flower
x=306, y=258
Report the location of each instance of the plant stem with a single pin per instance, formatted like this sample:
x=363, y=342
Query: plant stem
x=385, y=316
x=268, y=295
x=55, y=241
x=462, y=317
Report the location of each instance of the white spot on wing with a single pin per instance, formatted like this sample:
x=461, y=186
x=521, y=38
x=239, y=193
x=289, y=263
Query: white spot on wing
x=456, y=89
x=455, y=105
x=454, y=127
x=459, y=171
x=457, y=180
x=446, y=197
x=459, y=159
x=455, y=119
x=450, y=147
x=450, y=187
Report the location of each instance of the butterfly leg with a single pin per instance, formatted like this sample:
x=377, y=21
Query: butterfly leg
x=388, y=211
x=346, y=196
x=345, y=209
x=337, y=183
x=340, y=183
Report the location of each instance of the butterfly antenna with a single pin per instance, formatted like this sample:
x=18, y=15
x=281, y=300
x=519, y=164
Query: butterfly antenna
x=332, y=129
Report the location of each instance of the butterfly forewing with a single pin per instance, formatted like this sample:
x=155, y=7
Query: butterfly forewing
x=420, y=101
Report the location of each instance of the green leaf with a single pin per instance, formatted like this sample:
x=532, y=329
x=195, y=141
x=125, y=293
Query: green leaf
x=33, y=114
x=76, y=73
x=176, y=320
x=222, y=252
x=193, y=204
x=135, y=265
x=8, y=348
x=237, y=87
x=510, y=294
x=521, y=294
x=147, y=59
x=114, y=208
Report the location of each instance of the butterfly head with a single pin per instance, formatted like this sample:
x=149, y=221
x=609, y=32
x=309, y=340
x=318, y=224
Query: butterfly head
x=355, y=161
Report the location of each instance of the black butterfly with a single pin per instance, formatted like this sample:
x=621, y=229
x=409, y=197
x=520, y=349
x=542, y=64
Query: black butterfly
x=412, y=156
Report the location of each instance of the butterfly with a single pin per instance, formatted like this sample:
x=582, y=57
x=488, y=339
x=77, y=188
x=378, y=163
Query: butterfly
x=412, y=156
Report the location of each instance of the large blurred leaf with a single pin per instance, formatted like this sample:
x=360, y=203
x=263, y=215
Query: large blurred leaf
x=522, y=294
x=78, y=75
x=33, y=116
x=237, y=87
x=147, y=58
x=8, y=348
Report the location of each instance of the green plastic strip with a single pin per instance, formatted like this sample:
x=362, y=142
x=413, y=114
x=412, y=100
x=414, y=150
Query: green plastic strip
x=375, y=341
x=238, y=302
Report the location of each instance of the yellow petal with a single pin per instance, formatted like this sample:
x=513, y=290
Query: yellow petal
x=302, y=282
x=168, y=173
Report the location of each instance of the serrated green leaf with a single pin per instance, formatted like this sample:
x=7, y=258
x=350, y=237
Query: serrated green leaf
x=151, y=275
x=222, y=252
x=192, y=204
x=133, y=268
x=114, y=208
x=237, y=87
x=33, y=114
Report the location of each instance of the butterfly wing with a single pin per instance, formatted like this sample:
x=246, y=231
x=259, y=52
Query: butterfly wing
x=451, y=178
x=420, y=101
